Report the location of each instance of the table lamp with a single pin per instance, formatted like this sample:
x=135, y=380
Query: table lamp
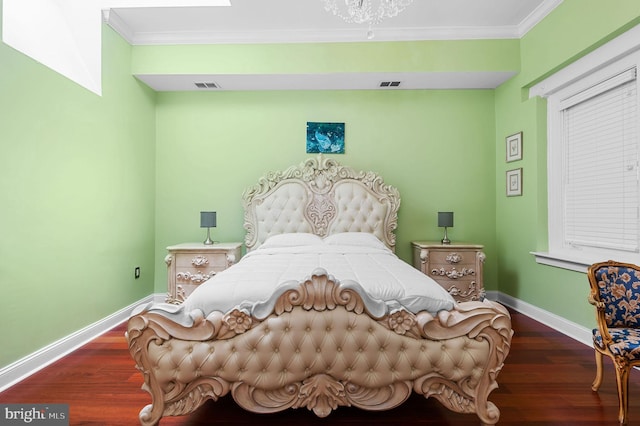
x=445, y=220
x=208, y=220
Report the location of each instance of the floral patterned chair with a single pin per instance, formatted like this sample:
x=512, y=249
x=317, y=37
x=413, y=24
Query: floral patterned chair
x=615, y=292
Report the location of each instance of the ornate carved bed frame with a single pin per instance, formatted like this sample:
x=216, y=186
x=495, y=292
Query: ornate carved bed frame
x=320, y=348
x=321, y=197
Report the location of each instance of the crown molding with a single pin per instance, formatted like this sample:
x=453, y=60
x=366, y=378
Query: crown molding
x=536, y=16
x=334, y=36
x=330, y=36
x=111, y=18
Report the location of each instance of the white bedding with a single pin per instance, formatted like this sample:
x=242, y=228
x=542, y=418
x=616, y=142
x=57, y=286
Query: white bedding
x=356, y=260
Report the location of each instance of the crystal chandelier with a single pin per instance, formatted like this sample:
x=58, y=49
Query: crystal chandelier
x=370, y=12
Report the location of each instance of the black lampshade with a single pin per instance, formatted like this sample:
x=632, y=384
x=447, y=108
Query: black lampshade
x=445, y=219
x=207, y=219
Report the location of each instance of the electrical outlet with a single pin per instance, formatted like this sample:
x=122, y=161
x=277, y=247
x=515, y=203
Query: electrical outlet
x=137, y=272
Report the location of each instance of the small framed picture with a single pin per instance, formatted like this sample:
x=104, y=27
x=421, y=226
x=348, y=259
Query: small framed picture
x=325, y=138
x=514, y=182
x=514, y=147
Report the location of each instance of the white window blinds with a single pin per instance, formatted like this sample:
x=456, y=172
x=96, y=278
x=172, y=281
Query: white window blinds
x=601, y=193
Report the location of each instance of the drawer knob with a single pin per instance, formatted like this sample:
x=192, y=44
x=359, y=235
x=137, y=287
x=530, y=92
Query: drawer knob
x=199, y=261
x=472, y=293
x=453, y=258
x=194, y=278
x=453, y=273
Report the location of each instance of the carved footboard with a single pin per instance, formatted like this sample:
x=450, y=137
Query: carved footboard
x=320, y=349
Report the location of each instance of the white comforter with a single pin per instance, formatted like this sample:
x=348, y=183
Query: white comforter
x=356, y=260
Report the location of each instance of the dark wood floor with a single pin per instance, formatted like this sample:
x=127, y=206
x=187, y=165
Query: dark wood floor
x=546, y=380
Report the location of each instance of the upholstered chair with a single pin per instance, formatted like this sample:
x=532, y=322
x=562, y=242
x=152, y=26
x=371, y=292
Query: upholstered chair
x=615, y=292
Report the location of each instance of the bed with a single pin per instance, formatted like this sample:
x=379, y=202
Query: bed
x=315, y=324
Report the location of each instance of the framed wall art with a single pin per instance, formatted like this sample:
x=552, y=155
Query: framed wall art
x=514, y=182
x=514, y=147
x=325, y=138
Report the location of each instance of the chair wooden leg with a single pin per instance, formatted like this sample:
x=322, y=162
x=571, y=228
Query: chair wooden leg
x=622, y=378
x=599, y=372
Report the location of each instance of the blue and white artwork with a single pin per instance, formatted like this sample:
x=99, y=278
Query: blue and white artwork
x=325, y=138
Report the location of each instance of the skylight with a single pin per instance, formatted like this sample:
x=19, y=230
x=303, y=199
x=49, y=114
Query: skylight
x=66, y=35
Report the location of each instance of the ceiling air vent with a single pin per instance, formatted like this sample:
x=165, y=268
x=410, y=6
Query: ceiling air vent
x=389, y=83
x=209, y=85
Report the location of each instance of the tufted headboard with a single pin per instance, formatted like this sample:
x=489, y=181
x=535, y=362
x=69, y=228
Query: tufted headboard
x=322, y=197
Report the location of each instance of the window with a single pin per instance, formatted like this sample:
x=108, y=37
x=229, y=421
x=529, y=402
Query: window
x=599, y=137
x=593, y=148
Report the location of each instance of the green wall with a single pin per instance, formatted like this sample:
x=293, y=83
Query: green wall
x=575, y=28
x=436, y=147
x=77, y=179
x=309, y=58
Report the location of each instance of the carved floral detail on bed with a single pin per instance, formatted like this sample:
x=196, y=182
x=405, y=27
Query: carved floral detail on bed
x=322, y=177
x=216, y=356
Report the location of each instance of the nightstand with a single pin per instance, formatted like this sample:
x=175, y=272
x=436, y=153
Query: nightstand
x=191, y=264
x=456, y=267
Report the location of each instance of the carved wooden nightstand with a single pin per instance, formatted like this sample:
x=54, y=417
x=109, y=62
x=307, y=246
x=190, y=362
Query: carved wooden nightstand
x=191, y=264
x=456, y=267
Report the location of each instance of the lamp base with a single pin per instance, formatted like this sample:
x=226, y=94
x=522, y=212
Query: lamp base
x=208, y=241
x=445, y=240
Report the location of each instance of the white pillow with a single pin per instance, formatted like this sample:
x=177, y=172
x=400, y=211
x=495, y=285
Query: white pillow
x=362, y=239
x=291, y=240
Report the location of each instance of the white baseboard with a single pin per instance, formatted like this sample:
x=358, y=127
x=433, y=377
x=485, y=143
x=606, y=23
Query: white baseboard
x=21, y=369
x=30, y=364
x=564, y=326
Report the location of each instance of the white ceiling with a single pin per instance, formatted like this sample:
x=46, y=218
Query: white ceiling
x=303, y=21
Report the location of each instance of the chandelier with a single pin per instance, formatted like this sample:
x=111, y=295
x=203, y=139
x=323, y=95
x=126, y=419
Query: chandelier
x=370, y=12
